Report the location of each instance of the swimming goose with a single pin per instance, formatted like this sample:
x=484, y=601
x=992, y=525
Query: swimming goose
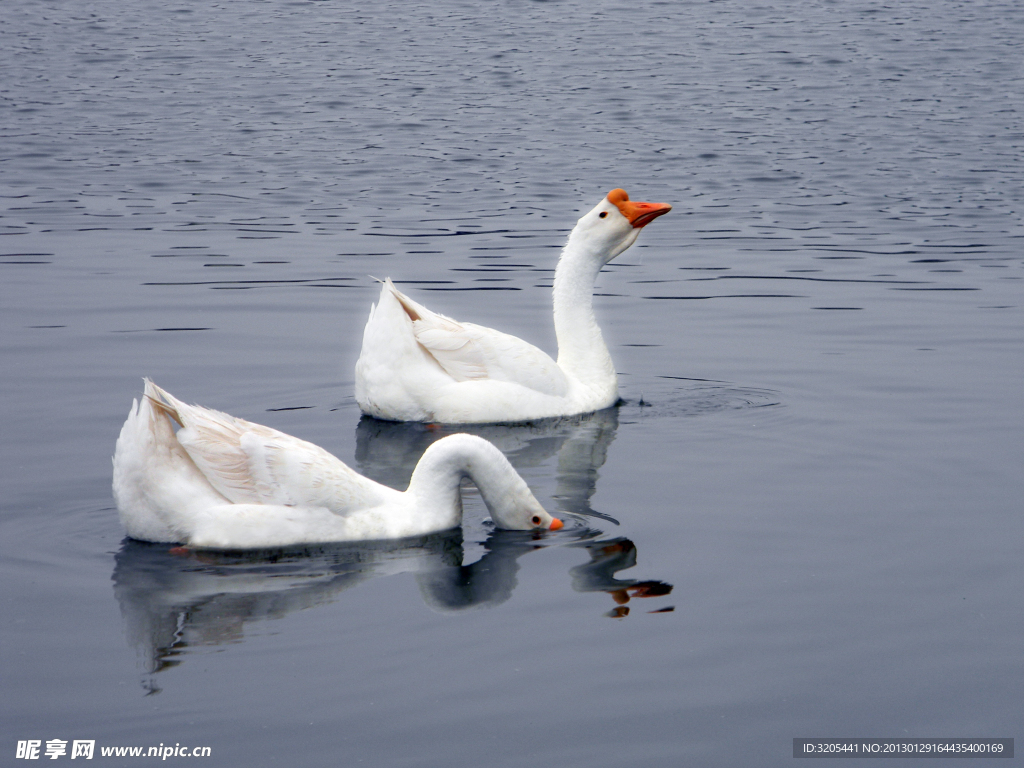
x=417, y=365
x=220, y=482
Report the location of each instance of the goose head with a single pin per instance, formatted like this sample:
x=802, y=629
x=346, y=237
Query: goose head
x=519, y=510
x=509, y=499
x=614, y=224
x=435, y=483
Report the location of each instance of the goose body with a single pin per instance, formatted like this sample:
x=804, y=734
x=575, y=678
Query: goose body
x=418, y=365
x=224, y=483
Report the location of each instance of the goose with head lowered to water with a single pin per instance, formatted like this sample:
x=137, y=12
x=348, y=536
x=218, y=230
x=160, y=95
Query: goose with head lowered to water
x=417, y=365
x=220, y=482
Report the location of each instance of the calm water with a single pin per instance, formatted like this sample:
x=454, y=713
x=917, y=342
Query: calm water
x=805, y=520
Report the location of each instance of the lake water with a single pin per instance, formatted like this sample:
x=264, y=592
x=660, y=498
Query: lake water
x=804, y=521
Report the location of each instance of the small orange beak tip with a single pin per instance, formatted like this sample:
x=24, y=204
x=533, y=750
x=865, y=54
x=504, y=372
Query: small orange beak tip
x=556, y=524
x=645, y=213
x=638, y=214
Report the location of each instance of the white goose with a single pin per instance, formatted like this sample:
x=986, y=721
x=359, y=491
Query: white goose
x=224, y=483
x=417, y=365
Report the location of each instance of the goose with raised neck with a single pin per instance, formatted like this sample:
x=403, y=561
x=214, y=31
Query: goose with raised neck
x=190, y=475
x=418, y=365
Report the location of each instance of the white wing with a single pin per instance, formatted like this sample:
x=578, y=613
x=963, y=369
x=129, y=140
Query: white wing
x=469, y=352
x=253, y=464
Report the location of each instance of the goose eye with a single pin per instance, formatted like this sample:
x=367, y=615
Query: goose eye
x=536, y=520
x=602, y=214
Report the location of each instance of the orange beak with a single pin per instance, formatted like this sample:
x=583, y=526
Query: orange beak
x=556, y=524
x=638, y=214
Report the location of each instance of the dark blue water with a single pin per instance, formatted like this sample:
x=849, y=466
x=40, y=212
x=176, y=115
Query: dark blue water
x=805, y=520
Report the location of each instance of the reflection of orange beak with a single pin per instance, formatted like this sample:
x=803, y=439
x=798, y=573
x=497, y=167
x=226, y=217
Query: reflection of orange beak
x=638, y=214
x=556, y=524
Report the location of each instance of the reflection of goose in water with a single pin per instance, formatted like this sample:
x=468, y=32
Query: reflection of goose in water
x=486, y=582
x=607, y=557
x=388, y=451
x=172, y=603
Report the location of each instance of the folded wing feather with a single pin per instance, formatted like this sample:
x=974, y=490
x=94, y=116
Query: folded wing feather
x=469, y=352
x=252, y=464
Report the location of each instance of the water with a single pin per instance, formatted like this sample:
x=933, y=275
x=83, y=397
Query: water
x=805, y=520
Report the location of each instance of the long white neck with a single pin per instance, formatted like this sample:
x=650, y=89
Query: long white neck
x=582, y=352
x=437, y=479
